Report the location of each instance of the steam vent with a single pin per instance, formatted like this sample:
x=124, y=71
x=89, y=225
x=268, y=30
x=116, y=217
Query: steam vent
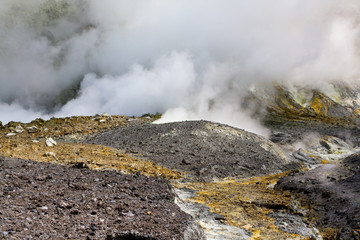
x=180, y=119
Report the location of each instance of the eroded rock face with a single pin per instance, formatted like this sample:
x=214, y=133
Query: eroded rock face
x=36, y=197
x=206, y=150
x=334, y=190
x=334, y=104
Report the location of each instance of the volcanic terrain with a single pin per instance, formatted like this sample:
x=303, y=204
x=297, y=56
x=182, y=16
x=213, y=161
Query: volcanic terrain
x=117, y=177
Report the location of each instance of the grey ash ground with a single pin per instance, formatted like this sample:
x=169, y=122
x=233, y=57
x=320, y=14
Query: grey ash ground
x=334, y=191
x=49, y=201
x=204, y=149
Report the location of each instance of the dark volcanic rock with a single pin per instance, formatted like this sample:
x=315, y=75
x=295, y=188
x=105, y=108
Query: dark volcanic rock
x=334, y=191
x=285, y=131
x=48, y=201
x=205, y=149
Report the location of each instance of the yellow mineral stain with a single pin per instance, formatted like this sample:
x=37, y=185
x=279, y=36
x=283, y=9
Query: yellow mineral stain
x=246, y=203
x=30, y=144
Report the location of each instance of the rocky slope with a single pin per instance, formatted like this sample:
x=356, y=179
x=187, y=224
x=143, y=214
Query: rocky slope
x=222, y=177
x=334, y=190
x=205, y=150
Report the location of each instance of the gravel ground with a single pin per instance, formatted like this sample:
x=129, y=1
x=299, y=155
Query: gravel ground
x=204, y=149
x=49, y=201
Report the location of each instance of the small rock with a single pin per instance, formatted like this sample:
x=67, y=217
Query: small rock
x=80, y=165
x=102, y=120
x=305, y=157
x=44, y=208
x=10, y=134
x=32, y=129
x=74, y=212
x=49, y=154
x=247, y=227
x=50, y=142
x=185, y=162
x=129, y=214
x=19, y=129
x=63, y=204
x=96, y=117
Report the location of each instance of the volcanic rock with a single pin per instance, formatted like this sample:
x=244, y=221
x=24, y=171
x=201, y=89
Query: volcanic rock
x=51, y=201
x=305, y=157
x=334, y=191
x=50, y=142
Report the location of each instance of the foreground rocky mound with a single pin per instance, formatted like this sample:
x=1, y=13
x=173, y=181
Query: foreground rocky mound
x=50, y=201
x=335, y=193
x=205, y=149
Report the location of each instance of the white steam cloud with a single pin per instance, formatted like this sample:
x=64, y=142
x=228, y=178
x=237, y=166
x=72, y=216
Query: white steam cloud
x=189, y=59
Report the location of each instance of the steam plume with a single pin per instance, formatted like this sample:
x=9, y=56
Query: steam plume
x=190, y=59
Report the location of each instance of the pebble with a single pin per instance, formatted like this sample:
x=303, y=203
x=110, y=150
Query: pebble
x=19, y=129
x=49, y=154
x=50, y=142
x=63, y=204
x=10, y=134
x=32, y=129
x=129, y=214
x=108, y=116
